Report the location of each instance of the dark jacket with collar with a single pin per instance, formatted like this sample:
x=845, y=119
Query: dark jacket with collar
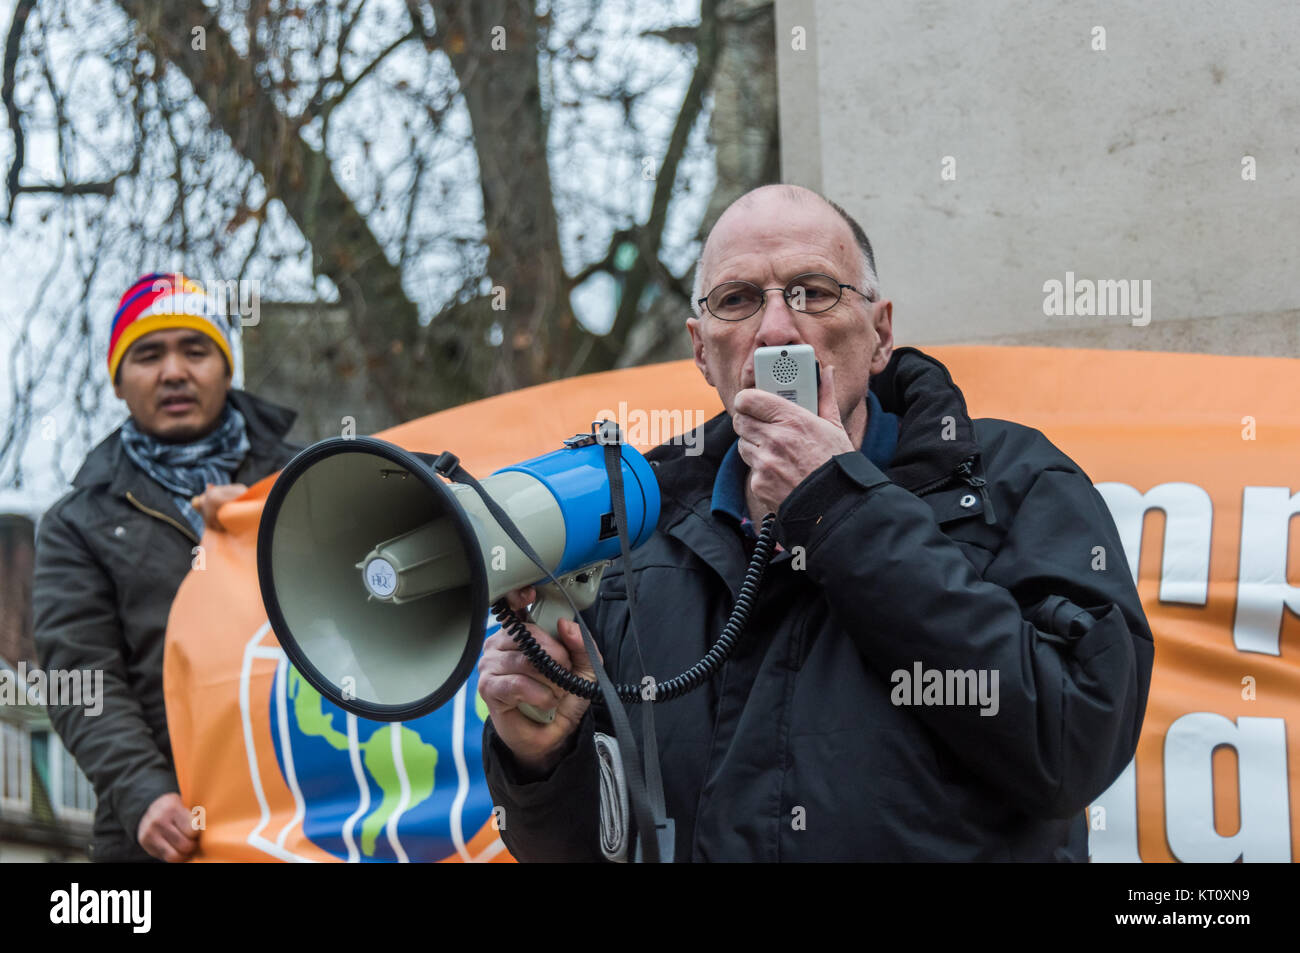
x=110, y=556
x=802, y=748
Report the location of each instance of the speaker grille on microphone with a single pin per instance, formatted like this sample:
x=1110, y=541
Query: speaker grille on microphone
x=785, y=370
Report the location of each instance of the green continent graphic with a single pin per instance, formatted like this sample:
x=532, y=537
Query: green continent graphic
x=418, y=756
x=311, y=718
x=419, y=759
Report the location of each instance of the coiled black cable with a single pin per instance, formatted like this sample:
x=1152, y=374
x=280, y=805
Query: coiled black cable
x=690, y=679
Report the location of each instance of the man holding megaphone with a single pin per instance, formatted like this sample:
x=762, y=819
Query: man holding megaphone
x=931, y=668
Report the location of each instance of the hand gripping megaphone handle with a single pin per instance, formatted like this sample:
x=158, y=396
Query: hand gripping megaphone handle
x=551, y=606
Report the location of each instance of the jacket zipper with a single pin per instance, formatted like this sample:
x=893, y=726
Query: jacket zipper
x=162, y=516
x=964, y=472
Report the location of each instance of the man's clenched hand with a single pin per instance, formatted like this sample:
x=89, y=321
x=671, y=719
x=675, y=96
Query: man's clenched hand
x=507, y=679
x=167, y=830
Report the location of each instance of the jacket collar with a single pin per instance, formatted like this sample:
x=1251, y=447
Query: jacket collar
x=936, y=433
x=107, y=465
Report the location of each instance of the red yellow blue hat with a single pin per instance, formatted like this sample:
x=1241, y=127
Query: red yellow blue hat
x=157, y=301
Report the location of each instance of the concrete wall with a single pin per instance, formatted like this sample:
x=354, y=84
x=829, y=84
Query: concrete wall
x=299, y=356
x=17, y=852
x=23, y=854
x=1117, y=163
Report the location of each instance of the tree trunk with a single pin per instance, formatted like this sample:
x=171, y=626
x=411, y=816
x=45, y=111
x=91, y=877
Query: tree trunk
x=493, y=45
x=746, y=137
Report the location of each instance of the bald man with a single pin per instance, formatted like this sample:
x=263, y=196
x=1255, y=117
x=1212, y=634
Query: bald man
x=932, y=670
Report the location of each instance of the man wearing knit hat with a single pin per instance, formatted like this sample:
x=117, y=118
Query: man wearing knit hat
x=111, y=554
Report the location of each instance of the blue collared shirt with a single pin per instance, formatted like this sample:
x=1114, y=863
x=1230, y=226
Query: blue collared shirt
x=879, y=443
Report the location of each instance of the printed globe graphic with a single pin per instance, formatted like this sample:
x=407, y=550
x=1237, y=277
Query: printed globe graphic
x=375, y=792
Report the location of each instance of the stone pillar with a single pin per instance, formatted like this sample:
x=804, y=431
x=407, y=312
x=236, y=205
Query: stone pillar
x=17, y=561
x=991, y=149
x=305, y=356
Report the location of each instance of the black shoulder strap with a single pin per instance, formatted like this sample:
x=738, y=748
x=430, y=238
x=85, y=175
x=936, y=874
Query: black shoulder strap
x=647, y=809
x=664, y=832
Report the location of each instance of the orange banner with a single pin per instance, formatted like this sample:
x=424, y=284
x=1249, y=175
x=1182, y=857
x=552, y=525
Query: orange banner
x=1197, y=456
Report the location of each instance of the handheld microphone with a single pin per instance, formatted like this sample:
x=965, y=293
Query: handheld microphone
x=790, y=371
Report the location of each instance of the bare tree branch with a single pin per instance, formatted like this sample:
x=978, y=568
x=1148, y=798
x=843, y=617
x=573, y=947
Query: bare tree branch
x=347, y=147
x=347, y=251
x=322, y=106
x=492, y=45
x=609, y=348
x=12, y=45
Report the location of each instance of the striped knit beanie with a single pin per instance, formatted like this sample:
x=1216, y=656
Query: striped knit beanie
x=157, y=301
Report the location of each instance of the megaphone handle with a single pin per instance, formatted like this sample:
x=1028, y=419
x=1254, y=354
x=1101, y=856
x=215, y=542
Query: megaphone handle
x=536, y=714
x=546, y=613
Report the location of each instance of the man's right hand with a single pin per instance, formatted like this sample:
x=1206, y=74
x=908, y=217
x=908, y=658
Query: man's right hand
x=213, y=498
x=166, y=830
x=507, y=679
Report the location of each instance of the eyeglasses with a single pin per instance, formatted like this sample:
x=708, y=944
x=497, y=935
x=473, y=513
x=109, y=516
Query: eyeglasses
x=812, y=293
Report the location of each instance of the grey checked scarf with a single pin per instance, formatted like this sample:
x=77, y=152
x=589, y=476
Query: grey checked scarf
x=186, y=468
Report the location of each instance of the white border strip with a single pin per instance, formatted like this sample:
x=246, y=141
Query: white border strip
x=253, y=650
x=363, y=805
x=404, y=801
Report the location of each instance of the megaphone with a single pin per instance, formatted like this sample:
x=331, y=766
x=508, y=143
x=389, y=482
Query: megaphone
x=377, y=575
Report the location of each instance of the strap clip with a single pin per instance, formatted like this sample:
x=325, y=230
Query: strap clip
x=447, y=463
x=606, y=433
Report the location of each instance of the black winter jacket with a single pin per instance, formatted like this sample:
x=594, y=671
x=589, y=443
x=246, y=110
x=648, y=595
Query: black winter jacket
x=801, y=748
x=110, y=556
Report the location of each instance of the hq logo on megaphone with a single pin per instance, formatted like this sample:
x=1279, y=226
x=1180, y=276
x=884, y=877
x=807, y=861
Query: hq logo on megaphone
x=377, y=575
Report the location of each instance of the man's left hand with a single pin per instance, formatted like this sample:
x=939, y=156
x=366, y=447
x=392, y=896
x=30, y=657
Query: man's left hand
x=782, y=443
